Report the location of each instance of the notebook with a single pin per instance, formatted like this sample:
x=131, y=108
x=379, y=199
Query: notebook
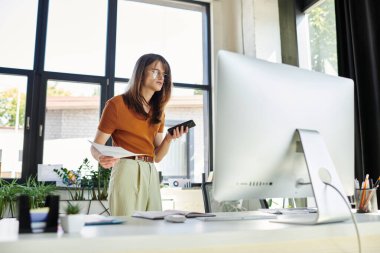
x=159, y=215
x=96, y=219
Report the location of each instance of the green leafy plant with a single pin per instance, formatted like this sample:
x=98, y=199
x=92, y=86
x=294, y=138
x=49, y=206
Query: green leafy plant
x=37, y=191
x=2, y=201
x=72, y=209
x=98, y=183
x=8, y=196
x=73, y=179
x=10, y=190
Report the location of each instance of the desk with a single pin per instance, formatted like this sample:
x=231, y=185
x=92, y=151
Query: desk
x=140, y=235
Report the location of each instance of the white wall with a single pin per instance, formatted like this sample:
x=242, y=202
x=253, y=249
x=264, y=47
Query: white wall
x=244, y=26
x=267, y=30
x=256, y=22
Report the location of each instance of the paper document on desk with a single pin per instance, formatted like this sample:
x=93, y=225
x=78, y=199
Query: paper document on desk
x=159, y=215
x=117, y=152
x=96, y=219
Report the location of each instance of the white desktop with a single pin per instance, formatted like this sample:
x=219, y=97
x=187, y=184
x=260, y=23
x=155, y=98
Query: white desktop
x=272, y=117
x=142, y=235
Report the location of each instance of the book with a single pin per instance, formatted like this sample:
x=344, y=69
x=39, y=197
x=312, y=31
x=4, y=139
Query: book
x=159, y=215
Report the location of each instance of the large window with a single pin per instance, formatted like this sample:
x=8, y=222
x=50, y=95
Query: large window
x=186, y=157
x=176, y=33
x=18, y=20
x=76, y=36
x=71, y=119
x=61, y=60
x=12, y=121
x=318, y=49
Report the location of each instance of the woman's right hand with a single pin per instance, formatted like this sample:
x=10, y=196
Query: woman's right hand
x=107, y=162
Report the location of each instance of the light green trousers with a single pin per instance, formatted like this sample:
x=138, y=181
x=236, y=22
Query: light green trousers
x=134, y=186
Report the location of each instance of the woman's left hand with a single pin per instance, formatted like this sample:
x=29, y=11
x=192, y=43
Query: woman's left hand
x=177, y=133
x=162, y=146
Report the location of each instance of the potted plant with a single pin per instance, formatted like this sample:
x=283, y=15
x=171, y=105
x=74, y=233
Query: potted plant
x=86, y=180
x=98, y=183
x=37, y=192
x=73, y=221
x=73, y=181
x=8, y=197
x=9, y=192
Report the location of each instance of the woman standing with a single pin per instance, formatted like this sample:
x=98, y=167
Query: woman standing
x=135, y=120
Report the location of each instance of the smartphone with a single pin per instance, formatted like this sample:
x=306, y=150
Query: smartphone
x=188, y=124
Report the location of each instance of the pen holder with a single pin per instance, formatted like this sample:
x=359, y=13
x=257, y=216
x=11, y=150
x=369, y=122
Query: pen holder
x=25, y=221
x=366, y=200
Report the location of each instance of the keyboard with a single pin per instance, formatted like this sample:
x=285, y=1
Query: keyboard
x=233, y=216
x=291, y=211
x=306, y=218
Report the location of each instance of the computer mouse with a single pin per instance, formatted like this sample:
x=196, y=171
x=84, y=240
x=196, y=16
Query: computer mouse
x=175, y=218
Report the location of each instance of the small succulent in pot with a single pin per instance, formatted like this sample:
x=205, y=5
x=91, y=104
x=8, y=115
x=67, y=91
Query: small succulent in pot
x=72, y=209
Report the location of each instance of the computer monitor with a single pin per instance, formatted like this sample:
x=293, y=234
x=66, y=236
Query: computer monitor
x=259, y=108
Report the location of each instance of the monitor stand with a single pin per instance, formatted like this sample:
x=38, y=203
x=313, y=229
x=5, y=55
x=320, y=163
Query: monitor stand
x=331, y=206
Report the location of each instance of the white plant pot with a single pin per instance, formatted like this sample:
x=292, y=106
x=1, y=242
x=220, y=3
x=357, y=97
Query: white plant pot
x=72, y=223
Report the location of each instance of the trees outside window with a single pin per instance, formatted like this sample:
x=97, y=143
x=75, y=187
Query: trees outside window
x=319, y=38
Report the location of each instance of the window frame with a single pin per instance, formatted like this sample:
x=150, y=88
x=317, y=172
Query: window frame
x=37, y=79
x=304, y=5
x=28, y=127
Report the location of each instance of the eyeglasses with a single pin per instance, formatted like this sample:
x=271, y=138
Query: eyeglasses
x=157, y=73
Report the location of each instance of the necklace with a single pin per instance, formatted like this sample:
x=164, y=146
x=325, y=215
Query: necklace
x=145, y=102
x=146, y=105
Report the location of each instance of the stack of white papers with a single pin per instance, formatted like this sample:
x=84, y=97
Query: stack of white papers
x=117, y=152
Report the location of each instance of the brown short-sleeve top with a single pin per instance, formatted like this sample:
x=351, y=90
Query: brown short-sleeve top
x=128, y=129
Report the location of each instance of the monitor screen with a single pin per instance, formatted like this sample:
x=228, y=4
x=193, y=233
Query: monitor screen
x=259, y=106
